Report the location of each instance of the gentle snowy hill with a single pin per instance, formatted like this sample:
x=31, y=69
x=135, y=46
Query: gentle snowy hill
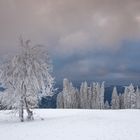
x=72, y=125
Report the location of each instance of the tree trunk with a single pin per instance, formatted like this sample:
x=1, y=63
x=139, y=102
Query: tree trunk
x=21, y=107
x=29, y=112
x=21, y=111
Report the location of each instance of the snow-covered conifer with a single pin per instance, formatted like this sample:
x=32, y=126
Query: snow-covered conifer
x=84, y=95
x=94, y=96
x=102, y=90
x=106, y=105
x=126, y=98
x=121, y=100
x=137, y=98
x=129, y=97
x=60, y=100
x=89, y=97
x=69, y=97
x=98, y=96
x=115, y=99
x=132, y=97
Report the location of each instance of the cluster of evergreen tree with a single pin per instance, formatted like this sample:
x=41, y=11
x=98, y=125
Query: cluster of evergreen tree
x=92, y=97
x=130, y=99
x=89, y=97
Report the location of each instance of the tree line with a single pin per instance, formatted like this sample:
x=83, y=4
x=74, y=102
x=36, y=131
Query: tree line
x=92, y=97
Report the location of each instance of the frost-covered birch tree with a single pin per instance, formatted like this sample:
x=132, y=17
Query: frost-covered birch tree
x=26, y=78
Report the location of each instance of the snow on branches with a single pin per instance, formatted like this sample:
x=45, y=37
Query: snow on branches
x=92, y=97
x=26, y=78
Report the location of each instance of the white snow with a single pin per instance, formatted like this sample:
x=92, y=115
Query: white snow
x=57, y=124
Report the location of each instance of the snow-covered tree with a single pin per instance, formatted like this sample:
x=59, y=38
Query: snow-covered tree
x=89, y=97
x=102, y=90
x=77, y=96
x=121, y=100
x=69, y=97
x=126, y=98
x=132, y=97
x=115, y=99
x=106, y=105
x=98, y=96
x=137, y=98
x=60, y=100
x=27, y=78
x=84, y=96
x=129, y=97
x=94, y=97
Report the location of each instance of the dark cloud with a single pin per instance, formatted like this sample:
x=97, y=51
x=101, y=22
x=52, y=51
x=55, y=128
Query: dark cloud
x=120, y=66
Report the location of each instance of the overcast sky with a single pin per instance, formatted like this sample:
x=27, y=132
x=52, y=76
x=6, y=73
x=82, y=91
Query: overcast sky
x=87, y=39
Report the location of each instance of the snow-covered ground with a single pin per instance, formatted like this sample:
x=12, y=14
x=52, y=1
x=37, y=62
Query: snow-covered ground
x=64, y=124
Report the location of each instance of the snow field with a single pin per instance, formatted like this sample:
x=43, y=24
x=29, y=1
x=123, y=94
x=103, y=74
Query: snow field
x=68, y=124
